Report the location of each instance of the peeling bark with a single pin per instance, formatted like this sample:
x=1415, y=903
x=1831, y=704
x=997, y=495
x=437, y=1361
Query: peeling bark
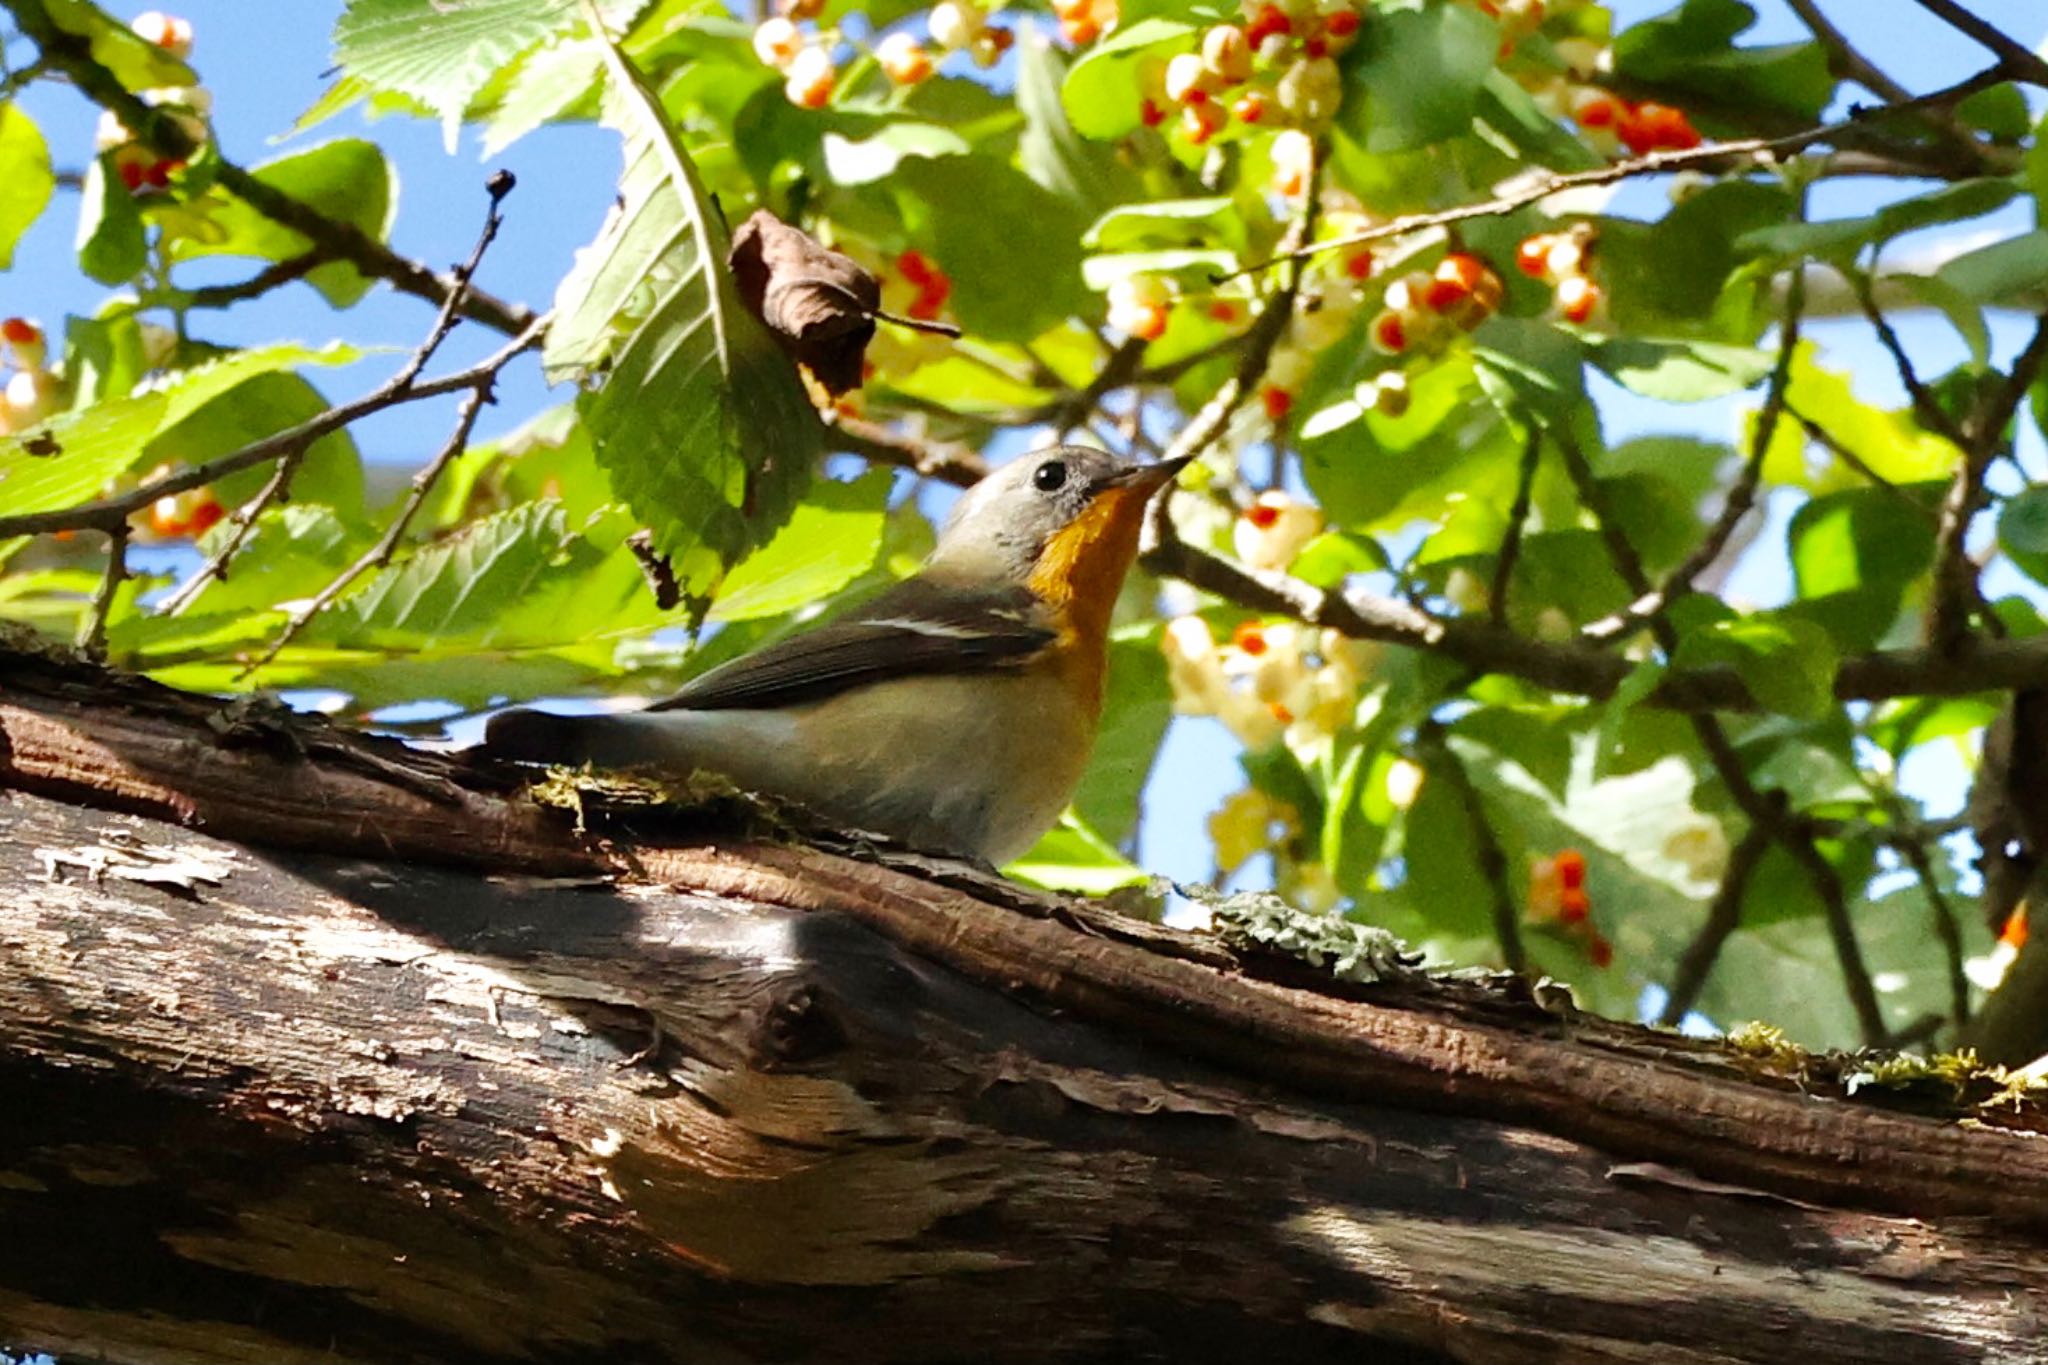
x=318, y=1049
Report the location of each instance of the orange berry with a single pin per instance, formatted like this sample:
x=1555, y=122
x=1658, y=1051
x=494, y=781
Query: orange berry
x=1080, y=29
x=1225, y=311
x=1532, y=257
x=20, y=332
x=1279, y=402
x=205, y=513
x=1342, y=24
x=1262, y=515
x=1571, y=869
x=1280, y=713
x=2014, y=934
x=1149, y=321
x=166, y=518
x=132, y=174
x=1249, y=108
x=1151, y=113
x=1359, y=265
x=1597, y=109
x=1249, y=638
x=915, y=266
x=1268, y=21
x=1573, y=905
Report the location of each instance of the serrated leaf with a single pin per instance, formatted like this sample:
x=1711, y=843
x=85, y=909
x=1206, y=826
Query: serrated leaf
x=696, y=414
x=454, y=590
x=25, y=171
x=136, y=63
x=106, y=440
x=439, y=53
x=831, y=539
x=548, y=83
x=1050, y=151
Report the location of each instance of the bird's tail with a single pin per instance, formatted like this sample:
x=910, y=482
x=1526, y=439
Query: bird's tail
x=543, y=737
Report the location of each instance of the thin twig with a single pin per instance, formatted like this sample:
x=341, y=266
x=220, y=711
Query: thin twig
x=1947, y=927
x=271, y=277
x=2021, y=60
x=953, y=464
x=240, y=525
x=1724, y=917
x=1762, y=808
x=1843, y=58
x=1655, y=163
x=380, y=554
x=1820, y=435
x=1929, y=412
x=1443, y=763
x=1741, y=497
x=92, y=634
x=1518, y=516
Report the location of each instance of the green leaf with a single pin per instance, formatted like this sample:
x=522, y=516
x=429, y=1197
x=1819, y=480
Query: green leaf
x=1667, y=278
x=110, y=244
x=1072, y=857
x=106, y=440
x=697, y=416
x=25, y=171
x=134, y=62
x=1100, y=272
x=1691, y=50
x=260, y=406
x=2002, y=272
x=346, y=180
x=848, y=162
x=1050, y=151
x=2023, y=531
x=831, y=539
x=1135, y=715
x=1679, y=371
x=1104, y=92
x=440, y=54
x=548, y=83
x=1854, y=554
x=975, y=208
x=1787, y=664
x=1519, y=124
x=1415, y=76
x=1890, y=443
x=459, y=589
x=1841, y=239
x=1168, y=224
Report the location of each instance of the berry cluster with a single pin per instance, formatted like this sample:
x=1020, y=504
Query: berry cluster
x=140, y=169
x=913, y=286
x=1083, y=21
x=1564, y=260
x=1609, y=120
x=34, y=390
x=1278, y=66
x=1557, y=896
x=1269, y=681
x=1424, y=310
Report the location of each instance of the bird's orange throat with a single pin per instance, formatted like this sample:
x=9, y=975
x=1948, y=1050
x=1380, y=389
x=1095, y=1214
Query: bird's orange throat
x=1081, y=569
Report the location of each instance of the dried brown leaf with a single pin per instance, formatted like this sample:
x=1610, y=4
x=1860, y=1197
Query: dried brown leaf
x=819, y=305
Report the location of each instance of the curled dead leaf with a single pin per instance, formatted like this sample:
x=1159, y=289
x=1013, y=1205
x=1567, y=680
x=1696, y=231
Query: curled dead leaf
x=819, y=304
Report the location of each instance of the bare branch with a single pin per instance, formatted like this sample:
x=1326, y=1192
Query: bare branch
x=72, y=55
x=1443, y=764
x=2016, y=57
x=1724, y=917
x=1843, y=58
x=1518, y=516
x=953, y=464
x=239, y=526
x=92, y=632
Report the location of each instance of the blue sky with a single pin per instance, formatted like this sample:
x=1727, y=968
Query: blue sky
x=265, y=63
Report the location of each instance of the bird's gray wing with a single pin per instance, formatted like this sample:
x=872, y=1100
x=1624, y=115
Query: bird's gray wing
x=914, y=628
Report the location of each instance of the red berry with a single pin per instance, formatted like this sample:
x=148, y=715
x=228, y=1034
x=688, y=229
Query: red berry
x=1342, y=24
x=1268, y=21
x=205, y=513
x=913, y=265
x=1600, y=952
x=1262, y=515
x=1249, y=638
x=132, y=174
x=1600, y=111
x=1151, y=113
x=1315, y=47
x=1532, y=257
x=1224, y=311
x=1249, y=108
x=1390, y=332
x=1573, y=906
x=1279, y=402
x=20, y=331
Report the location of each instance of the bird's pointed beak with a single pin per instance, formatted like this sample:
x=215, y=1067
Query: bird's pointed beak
x=1146, y=478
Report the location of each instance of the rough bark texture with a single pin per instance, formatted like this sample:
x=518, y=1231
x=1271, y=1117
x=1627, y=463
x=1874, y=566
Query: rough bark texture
x=312, y=1049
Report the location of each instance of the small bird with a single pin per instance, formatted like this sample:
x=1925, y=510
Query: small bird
x=954, y=713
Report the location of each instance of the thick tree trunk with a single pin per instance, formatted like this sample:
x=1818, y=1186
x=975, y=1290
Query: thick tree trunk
x=312, y=1049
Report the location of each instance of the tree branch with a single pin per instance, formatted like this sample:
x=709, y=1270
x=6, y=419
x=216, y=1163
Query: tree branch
x=1724, y=917
x=2017, y=57
x=1443, y=763
x=72, y=55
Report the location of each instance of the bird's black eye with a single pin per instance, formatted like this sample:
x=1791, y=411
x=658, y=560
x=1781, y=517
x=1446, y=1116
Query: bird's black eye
x=1050, y=476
